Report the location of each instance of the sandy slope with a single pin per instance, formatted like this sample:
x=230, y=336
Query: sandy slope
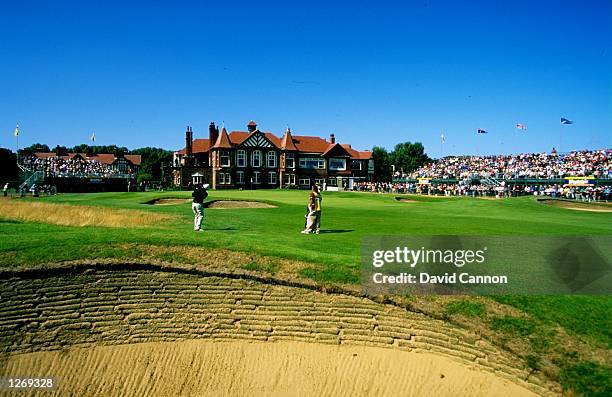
x=200, y=367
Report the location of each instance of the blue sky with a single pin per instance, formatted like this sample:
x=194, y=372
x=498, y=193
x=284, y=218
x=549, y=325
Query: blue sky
x=373, y=73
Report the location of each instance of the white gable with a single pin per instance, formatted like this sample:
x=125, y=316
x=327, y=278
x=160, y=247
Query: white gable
x=257, y=140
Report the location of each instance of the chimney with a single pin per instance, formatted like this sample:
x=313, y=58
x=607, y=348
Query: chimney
x=213, y=133
x=188, y=142
x=252, y=126
x=332, y=138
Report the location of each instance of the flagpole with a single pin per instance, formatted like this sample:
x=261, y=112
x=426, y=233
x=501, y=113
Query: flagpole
x=561, y=140
x=17, y=139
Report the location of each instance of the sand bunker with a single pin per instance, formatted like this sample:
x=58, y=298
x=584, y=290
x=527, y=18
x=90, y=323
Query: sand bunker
x=405, y=200
x=168, y=201
x=578, y=205
x=58, y=319
x=240, y=368
x=232, y=204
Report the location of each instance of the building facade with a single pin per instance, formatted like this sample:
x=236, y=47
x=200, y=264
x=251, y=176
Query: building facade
x=254, y=159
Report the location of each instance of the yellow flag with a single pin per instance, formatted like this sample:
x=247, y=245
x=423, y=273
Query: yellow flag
x=17, y=130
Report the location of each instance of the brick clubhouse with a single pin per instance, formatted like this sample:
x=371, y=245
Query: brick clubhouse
x=255, y=159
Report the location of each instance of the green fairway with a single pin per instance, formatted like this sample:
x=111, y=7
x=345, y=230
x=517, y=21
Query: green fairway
x=334, y=255
x=347, y=218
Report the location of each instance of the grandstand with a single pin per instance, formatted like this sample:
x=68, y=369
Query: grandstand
x=596, y=163
x=584, y=175
x=79, y=172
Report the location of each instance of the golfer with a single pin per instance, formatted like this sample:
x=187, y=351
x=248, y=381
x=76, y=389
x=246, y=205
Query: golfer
x=313, y=220
x=199, y=194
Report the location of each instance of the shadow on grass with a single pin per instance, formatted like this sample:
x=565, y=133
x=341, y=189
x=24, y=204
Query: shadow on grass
x=336, y=231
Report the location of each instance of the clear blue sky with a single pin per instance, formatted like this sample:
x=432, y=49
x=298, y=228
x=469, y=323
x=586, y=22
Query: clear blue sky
x=373, y=73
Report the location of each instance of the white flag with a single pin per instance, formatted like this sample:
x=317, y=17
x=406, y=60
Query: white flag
x=93, y=137
x=442, y=138
x=17, y=130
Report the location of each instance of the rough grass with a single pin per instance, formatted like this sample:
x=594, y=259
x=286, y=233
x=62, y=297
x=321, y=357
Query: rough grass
x=466, y=308
x=70, y=215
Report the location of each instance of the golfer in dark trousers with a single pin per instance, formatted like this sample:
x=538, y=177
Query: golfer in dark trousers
x=199, y=194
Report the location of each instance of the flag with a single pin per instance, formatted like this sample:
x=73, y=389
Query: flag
x=442, y=138
x=17, y=130
x=521, y=126
x=93, y=137
x=481, y=131
x=566, y=121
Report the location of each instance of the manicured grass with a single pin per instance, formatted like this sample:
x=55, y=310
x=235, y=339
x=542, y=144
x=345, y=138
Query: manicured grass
x=347, y=218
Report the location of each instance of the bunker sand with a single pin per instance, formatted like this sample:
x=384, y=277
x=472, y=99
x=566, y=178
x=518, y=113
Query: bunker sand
x=578, y=206
x=231, y=204
x=202, y=367
x=89, y=308
x=168, y=201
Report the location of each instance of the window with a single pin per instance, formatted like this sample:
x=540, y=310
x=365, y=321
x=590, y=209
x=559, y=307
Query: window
x=241, y=158
x=290, y=160
x=356, y=165
x=271, y=159
x=240, y=177
x=197, y=178
x=332, y=182
x=225, y=159
x=312, y=162
x=337, y=164
x=225, y=178
x=319, y=182
x=304, y=181
x=256, y=177
x=272, y=178
x=256, y=158
x=289, y=179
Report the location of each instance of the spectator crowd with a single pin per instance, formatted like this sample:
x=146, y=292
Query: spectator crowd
x=71, y=167
x=597, y=163
x=582, y=193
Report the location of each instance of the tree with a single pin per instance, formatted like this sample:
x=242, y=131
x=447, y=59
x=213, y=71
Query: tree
x=60, y=150
x=37, y=147
x=152, y=160
x=408, y=156
x=112, y=149
x=382, y=164
x=8, y=166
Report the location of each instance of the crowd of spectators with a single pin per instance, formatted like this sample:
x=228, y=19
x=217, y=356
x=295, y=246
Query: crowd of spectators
x=71, y=167
x=597, y=163
x=503, y=190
